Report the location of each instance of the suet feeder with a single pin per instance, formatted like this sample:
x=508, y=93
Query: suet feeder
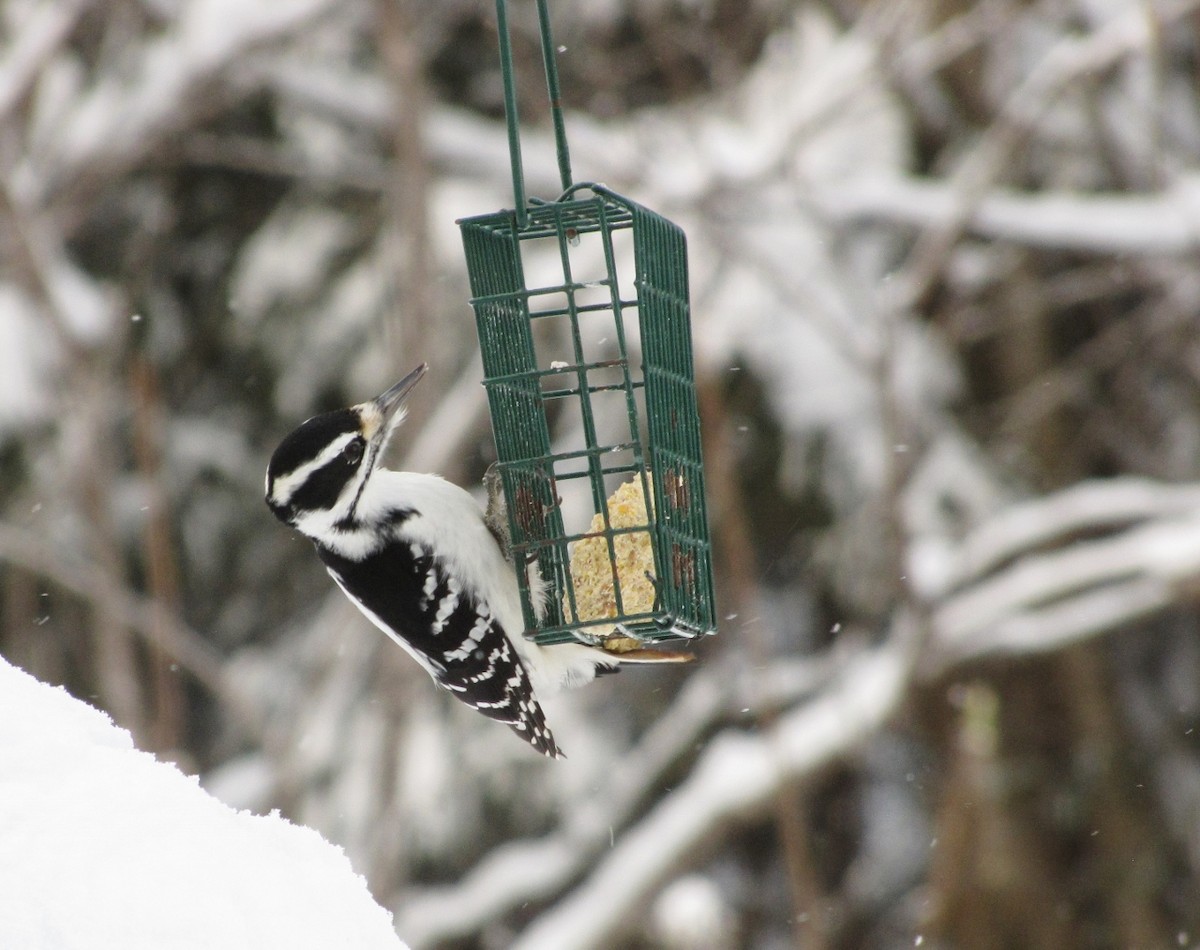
x=556, y=307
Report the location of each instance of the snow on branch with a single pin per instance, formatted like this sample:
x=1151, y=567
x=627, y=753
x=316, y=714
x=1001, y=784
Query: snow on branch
x=127, y=112
x=39, y=37
x=1166, y=222
x=1088, y=506
x=1069, y=60
x=736, y=778
x=520, y=872
x=1023, y=599
x=1046, y=599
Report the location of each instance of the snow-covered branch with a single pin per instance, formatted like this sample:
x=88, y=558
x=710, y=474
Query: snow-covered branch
x=1079, y=510
x=521, y=872
x=39, y=38
x=1006, y=593
x=1041, y=602
x=736, y=778
x=1131, y=30
x=164, y=86
x=1167, y=222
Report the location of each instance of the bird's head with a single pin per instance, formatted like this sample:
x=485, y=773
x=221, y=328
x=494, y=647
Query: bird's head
x=316, y=477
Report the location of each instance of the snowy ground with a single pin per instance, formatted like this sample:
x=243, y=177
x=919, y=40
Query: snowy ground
x=102, y=846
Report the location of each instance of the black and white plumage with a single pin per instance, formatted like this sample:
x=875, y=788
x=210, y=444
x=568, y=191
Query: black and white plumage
x=415, y=555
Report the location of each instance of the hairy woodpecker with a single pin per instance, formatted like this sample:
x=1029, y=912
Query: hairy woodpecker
x=415, y=554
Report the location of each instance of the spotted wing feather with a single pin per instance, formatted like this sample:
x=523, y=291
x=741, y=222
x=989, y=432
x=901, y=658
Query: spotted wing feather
x=407, y=593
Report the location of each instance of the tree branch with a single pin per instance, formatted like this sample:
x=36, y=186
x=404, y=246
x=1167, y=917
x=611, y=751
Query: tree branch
x=1070, y=59
x=736, y=778
x=127, y=114
x=520, y=872
x=36, y=41
x=1041, y=602
x=1046, y=601
x=160, y=628
x=1166, y=222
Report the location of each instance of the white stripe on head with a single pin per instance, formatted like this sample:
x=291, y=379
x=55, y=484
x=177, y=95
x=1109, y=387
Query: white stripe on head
x=285, y=486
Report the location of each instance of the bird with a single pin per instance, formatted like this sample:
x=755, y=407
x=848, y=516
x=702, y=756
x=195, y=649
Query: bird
x=419, y=558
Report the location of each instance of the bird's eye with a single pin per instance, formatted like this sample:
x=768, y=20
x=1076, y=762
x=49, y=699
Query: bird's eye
x=353, y=452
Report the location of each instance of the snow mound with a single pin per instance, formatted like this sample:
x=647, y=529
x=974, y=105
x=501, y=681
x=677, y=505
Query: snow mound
x=103, y=847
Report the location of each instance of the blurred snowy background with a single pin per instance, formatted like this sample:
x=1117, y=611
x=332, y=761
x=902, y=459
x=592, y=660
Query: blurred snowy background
x=946, y=300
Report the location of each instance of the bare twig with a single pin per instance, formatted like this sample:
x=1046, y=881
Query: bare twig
x=455, y=422
x=22, y=548
x=408, y=231
x=163, y=580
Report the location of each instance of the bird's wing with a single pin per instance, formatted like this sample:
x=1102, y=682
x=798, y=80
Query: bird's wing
x=408, y=594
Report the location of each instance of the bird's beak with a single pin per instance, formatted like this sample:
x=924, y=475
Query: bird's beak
x=394, y=398
x=382, y=414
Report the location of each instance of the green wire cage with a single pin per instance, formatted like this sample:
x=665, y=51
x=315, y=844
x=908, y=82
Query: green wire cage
x=556, y=309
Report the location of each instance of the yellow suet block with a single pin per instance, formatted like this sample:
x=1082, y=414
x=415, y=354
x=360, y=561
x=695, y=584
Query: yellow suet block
x=592, y=569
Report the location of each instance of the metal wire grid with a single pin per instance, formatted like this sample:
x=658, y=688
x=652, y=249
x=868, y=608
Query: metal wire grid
x=662, y=450
x=522, y=389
